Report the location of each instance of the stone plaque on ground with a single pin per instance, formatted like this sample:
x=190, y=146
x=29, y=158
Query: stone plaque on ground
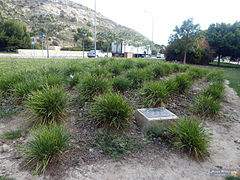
x=154, y=116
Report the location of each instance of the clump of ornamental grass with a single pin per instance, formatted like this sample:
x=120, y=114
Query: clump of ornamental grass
x=12, y=134
x=99, y=71
x=206, y=105
x=141, y=64
x=74, y=79
x=115, y=68
x=45, y=146
x=121, y=84
x=196, y=73
x=8, y=80
x=90, y=86
x=154, y=93
x=215, y=76
x=158, y=70
x=127, y=64
x=111, y=111
x=183, y=82
x=137, y=77
x=47, y=105
x=191, y=137
x=23, y=88
x=215, y=90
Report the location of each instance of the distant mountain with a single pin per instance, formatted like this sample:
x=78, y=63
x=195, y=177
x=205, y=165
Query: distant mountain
x=66, y=17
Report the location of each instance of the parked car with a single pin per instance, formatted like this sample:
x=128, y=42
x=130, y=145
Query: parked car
x=99, y=53
x=159, y=55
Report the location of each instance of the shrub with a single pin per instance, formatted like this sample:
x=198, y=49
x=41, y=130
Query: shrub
x=206, y=105
x=12, y=134
x=47, y=105
x=121, y=84
x=190, y=136
x=111, y=110
x=91, y=86
x=171, y=85
x=154, y=93
x=183, y=82
x=45, y=145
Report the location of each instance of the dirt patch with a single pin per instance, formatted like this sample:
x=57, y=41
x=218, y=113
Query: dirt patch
x=155, y=161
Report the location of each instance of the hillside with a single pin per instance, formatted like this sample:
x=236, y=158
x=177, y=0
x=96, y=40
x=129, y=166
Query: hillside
x=66, y=17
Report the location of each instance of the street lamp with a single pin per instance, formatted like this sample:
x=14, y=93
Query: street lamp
x=95, y=30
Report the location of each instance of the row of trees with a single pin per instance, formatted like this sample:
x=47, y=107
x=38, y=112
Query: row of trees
x=190, y=44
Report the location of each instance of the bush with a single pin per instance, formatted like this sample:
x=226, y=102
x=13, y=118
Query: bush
x=46, y=145
x=183, y=82
x=191, y=136
x=91, y=86
x=99, y=71
x=7, y=81
x=206, y=105
x=74, y=79
x=111, y=111
x=47, y=105
x=121, y=84
x=154, y=93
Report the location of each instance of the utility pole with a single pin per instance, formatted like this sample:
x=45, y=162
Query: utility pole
x=95, y=29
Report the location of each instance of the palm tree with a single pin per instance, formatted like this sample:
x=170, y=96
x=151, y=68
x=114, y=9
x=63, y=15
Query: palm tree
x=82, y=34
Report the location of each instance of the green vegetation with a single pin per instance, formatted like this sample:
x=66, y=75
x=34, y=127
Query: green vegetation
x=111, y=110
x=47, y=105
x=232, y=178
x=191, y=136
x=13, y=35
x=46, y=144
x=5, y=177
x=233, y=76
x=12, y=134
x=116, y=145
x=223, y=64
x=120, y=84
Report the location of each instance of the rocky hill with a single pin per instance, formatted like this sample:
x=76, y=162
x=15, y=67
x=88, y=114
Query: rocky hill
x=66, y=17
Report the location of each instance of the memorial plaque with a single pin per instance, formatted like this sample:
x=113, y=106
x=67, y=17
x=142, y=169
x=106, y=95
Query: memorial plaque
x=154, y=116
x=156, y=112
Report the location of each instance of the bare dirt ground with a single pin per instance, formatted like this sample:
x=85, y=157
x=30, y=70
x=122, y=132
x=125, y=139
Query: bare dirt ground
x=155, y=162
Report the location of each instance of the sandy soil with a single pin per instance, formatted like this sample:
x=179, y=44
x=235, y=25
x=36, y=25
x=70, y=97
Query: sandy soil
x=162, y=164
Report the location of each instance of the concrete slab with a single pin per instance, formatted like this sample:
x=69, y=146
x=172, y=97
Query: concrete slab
x=154, y=116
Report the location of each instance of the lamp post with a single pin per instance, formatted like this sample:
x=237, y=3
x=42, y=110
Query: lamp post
x=95, y=30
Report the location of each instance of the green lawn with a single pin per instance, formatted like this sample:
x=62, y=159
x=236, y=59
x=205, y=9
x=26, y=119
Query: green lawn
x=222, y=64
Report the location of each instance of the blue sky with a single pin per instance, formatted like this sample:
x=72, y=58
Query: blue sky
x=138, y=14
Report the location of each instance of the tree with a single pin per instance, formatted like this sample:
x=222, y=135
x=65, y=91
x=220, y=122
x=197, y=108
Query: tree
x=13, y=35
x=219, y=37
x=187, y=33
x=82, y=34
x=107, y=36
